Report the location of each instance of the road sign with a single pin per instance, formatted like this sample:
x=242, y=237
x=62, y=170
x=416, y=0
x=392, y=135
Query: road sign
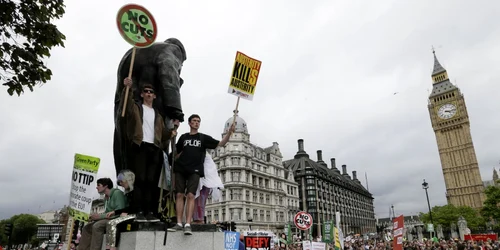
x=303, y=220
x=136, y=25
x=430, y=227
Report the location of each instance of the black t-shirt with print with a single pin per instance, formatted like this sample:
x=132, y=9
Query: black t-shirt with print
x=193, y=149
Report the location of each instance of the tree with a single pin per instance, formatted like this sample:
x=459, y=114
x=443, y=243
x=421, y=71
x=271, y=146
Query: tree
x=445, y=215
x=25, y=227
x=491, y=209
x=28, y=36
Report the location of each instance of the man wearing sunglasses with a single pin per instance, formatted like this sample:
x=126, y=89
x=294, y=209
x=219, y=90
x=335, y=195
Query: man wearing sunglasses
x=146, y=129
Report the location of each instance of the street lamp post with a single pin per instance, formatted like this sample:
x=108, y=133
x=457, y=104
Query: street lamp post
x=425, y=186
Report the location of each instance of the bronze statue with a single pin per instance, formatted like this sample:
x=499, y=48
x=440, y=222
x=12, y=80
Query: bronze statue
x=159, y=65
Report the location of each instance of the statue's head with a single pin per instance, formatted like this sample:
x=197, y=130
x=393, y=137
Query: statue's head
x=178, y=43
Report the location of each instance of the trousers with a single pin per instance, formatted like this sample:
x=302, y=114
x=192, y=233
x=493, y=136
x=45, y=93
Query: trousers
x=147, y=163
x=92, y=235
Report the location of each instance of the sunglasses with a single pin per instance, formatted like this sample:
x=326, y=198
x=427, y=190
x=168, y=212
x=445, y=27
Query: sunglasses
x=150, y=91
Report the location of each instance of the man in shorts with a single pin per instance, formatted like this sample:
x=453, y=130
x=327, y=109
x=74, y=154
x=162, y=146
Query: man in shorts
x=191, y=149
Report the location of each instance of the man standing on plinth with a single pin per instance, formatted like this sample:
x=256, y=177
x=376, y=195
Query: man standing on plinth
x=188, y=168
x=149, y=136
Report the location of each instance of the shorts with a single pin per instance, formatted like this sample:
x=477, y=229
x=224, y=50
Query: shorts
x=186, y=183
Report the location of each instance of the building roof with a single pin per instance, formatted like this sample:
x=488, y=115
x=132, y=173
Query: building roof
x=443, y=86
x=241, y=125
x=320, y=169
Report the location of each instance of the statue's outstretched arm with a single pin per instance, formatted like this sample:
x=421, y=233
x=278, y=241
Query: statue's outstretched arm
x=168, y=74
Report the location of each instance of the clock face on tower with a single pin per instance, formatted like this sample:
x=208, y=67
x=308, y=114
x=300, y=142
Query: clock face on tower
x=447, y=111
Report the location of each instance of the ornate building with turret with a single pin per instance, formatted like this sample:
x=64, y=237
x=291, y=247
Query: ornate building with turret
x=325, y=190
x=451, y=125
x=258, y=191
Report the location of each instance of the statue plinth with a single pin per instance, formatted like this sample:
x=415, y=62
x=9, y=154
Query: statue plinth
x=150, y=236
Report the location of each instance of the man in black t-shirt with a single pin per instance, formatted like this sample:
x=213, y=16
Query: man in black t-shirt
x=188, y=168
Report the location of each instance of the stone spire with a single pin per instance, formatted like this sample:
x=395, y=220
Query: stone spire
x=495, y=175
x=437, y=66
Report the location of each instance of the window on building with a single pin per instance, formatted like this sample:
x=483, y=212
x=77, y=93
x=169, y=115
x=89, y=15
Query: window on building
x=261, y=215
x=247, y=195
x=268, y=215
x=236, y=194
x=268, y=200
x=254, y=196
x=223, y=214
x=235, y=175
x=216, y=215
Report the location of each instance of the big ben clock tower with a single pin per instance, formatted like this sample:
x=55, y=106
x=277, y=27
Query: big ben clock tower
x=450, y=121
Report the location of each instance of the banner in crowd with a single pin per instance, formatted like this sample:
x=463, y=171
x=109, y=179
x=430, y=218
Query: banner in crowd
x=231, y=240
x=83, y=184
x=244, y=78
x=483, y=237
x=258, y=240
x=329, y=231
x=398, y=226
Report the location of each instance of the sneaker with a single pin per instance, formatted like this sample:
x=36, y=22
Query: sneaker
x=140, y=217
x=175, y=228
x=187, y=230
x=151, y=218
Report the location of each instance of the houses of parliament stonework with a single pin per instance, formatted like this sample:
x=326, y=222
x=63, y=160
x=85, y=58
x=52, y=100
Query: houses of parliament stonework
x=451, y=124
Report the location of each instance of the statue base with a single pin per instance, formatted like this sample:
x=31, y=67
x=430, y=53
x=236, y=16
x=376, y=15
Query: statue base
x=151, y=236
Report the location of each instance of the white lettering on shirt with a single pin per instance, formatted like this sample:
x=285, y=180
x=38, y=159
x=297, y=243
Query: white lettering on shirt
x=192, y=143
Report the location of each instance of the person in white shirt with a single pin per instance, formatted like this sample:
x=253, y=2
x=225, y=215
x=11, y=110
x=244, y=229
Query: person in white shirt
x=145, y=128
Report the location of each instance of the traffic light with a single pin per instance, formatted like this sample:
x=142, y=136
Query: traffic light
x=8, y=229
x=233, y=226
x=224, y=226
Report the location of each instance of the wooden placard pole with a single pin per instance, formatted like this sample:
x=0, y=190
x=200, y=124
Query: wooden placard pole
x=129, y=76
x=71, y=234
x=236, y=110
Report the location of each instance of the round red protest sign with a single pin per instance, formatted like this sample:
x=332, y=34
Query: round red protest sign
x=303, y=220
x=136, y=25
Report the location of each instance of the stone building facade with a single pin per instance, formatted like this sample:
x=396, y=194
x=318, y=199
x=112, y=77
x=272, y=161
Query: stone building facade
x=259, y=193
x=451, y=125
x=325, y=190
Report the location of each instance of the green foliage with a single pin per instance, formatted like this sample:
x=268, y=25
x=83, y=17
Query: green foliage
x=445, y=215
x=27, y=36
x=24, y=228
x=491, y=209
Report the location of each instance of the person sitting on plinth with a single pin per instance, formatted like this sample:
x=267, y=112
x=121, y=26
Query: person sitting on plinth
x=125, y=179
x=93, y=232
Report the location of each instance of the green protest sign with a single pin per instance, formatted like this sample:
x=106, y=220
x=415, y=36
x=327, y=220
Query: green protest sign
x=328, y=231
x=136, y=25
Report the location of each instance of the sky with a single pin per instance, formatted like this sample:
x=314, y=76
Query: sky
x=329, y=73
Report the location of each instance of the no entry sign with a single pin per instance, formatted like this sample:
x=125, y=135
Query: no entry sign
x=303, y=220
x=136, y=25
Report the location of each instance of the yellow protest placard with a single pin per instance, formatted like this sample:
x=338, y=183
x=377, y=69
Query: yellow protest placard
x=83, y=183
x=244, y=77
